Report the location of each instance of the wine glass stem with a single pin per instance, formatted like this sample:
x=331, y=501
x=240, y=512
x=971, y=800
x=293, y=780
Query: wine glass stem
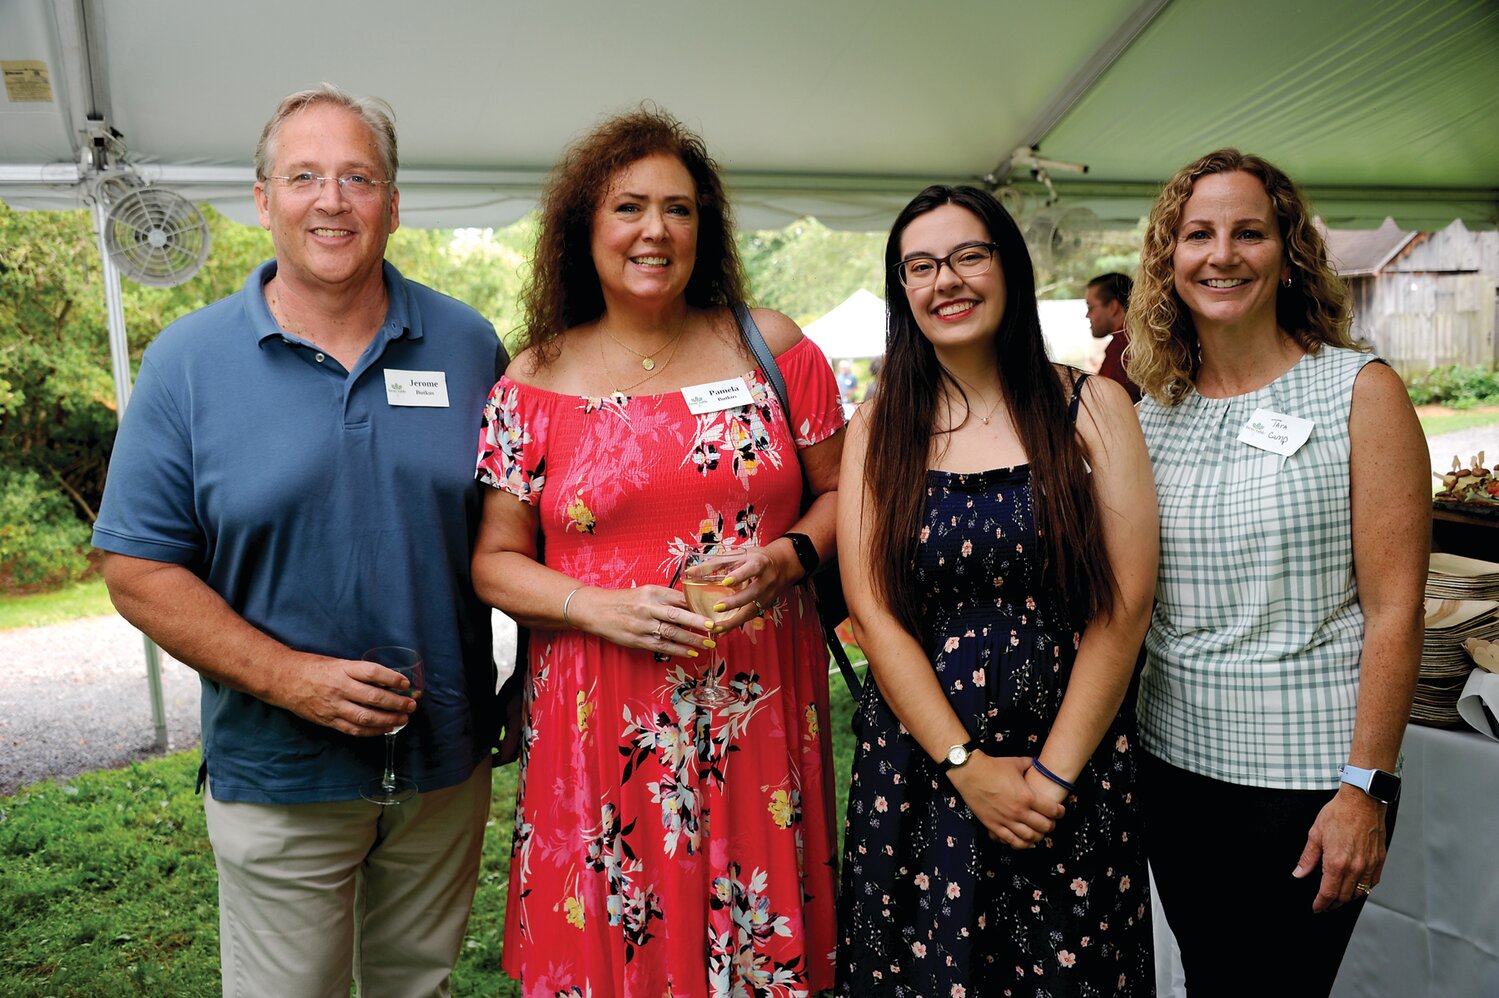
x=388, y=781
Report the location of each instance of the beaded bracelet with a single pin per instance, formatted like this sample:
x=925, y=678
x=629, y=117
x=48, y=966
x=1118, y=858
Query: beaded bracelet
x=1053, y=777
x=567, y=621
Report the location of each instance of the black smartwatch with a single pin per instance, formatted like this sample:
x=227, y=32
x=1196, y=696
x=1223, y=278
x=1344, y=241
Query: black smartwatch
x=1383, y=787
x=806, y=552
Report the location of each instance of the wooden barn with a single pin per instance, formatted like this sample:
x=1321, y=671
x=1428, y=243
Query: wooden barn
x=1423, y=300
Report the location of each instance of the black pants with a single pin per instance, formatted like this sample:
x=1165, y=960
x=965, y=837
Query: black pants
x=1222, y=855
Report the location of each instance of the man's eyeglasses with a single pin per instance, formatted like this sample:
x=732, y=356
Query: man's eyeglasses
x=355, y=186
x=965, y=261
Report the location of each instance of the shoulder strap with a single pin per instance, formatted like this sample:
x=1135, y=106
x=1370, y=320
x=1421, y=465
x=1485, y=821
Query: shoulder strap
x=1077, y=395
x=766, y=361
x=760, y=350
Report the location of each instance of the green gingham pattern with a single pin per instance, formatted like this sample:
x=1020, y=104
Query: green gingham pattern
x=1251, y=673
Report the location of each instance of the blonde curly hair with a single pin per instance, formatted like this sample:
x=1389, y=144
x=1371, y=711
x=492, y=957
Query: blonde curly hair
x=1163, y=355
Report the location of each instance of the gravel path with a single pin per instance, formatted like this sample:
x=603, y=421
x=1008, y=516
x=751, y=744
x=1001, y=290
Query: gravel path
x=1463, y=444
x=74, y=698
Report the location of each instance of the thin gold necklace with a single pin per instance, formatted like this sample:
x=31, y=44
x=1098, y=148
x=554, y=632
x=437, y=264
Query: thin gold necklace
x=653, y=369
x=992, y=409
x=647, y=360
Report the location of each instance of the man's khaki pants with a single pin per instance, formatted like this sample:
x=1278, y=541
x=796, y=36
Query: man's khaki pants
x=311, y=895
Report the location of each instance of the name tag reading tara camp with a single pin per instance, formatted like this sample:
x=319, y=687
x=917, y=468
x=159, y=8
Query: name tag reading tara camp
x=1276, y=432
x=716, y=396
x=417, y=388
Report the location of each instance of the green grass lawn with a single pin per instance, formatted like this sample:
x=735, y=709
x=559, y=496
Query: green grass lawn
x=107, y=883
x=1452, y=420
x=80, y=599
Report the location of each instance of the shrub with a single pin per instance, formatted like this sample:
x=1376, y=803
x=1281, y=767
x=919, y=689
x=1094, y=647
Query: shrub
x=1455, y=386
x=42, y=541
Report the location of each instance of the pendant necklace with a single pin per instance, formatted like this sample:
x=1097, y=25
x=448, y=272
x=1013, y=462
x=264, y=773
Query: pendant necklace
x=648, y=360
x=992, y=409
x=652, y=368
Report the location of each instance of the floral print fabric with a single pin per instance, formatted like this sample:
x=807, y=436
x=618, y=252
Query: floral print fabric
x=931, y=906
x=661, y=848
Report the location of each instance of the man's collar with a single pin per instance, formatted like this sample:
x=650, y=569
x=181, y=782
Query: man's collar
x=399, y=318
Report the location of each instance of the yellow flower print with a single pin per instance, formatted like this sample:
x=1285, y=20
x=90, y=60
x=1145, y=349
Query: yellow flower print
x=585, y=711
x=780, y=809
x=573, y=908
x=580, y=516
x=811, y=715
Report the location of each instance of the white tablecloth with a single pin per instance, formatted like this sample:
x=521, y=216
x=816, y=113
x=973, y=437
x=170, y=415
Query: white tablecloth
x=1431, y=929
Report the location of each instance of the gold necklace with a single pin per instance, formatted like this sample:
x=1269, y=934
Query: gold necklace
x=647, y=360
x=652, y=369
x=992, y=409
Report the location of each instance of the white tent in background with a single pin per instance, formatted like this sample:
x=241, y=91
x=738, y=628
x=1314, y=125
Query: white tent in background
x=855, y=328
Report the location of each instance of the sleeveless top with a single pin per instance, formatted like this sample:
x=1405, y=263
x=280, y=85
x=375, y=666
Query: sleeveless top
x=1252, y=660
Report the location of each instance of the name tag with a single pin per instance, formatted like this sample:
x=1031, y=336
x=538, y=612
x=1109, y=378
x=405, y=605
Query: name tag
x=1276, y=432
x=717, y=396
x=417, y=388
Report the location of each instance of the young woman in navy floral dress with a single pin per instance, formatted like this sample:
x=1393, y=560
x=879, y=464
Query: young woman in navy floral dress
x=998, y=533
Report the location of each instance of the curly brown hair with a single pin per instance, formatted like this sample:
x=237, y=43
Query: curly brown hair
x=564, y=290
x=1163, y=355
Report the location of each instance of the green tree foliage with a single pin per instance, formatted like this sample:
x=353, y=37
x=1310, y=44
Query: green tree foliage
x=484, y=268
x=807, y=269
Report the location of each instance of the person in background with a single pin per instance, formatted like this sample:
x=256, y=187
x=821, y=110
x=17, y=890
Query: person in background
x=1286, y=636
x=875, y=367
x=848, y=381
x=1108, y=300
x=661, y=846
x=293, y=485
x=998, y=532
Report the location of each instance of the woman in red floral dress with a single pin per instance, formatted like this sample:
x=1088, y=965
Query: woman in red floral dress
x=661, y=848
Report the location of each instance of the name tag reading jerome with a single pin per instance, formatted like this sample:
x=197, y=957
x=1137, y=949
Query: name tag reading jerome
x=417, y=388
x=1276, y=432
x=717, y=396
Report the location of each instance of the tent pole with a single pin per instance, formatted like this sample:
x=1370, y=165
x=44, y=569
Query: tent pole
x=119, y=358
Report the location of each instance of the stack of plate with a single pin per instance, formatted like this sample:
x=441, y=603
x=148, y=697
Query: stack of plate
x=1462, y=602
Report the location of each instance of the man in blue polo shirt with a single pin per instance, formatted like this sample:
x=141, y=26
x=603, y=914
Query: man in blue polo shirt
x=293, y=485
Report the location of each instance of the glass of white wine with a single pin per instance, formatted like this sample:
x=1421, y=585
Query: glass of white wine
x=707, y=571
x=388, y=788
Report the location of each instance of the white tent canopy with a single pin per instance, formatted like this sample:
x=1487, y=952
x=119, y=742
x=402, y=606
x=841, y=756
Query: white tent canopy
x=839, y=108
x=855, y=328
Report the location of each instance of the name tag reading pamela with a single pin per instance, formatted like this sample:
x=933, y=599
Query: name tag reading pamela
x=428, y=389
x=716, y=396
x=1276, y=432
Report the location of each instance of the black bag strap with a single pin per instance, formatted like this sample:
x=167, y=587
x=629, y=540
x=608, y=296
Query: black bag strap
x=766, y=361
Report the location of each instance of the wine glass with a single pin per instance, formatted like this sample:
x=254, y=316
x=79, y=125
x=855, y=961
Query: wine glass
x=388, y=788
x=706, y=572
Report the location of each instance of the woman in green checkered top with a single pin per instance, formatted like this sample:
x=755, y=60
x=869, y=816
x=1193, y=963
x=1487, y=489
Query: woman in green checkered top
x=1286, y=638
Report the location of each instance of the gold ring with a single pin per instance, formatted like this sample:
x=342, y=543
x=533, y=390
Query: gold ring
x=758, y=605
x=1364, y=888
x=660, y=626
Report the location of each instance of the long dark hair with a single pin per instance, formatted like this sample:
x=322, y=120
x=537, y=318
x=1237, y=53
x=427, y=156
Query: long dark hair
x=564, y=290
x=1075, y=564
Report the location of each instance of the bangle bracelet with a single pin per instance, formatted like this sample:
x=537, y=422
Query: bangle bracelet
x=566, y=620
x=1053, y=777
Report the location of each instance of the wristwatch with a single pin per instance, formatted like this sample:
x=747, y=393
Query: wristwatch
x=1383, y=787
x=958, y=755
x=806, y=552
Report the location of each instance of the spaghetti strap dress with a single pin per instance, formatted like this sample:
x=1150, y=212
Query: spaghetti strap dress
x=662, y=848
x=930, y=905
